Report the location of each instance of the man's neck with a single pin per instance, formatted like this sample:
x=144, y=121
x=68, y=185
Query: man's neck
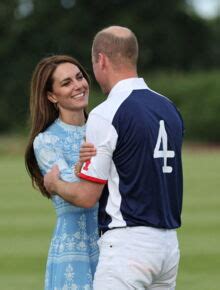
x=119, y=76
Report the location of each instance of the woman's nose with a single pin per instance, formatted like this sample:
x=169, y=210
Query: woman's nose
x=77, y=85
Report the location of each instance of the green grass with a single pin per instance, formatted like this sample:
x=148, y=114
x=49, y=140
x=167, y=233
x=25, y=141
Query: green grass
x=200, y=235
x=27, y=220
x=26, y=224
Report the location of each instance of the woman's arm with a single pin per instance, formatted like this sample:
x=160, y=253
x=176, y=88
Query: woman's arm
x=84, y=193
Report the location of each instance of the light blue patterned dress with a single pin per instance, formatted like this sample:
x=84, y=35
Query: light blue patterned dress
x=73, y=252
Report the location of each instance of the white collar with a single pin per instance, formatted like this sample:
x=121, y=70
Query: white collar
x=128, y=85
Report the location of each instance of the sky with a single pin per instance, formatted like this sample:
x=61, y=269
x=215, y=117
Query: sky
x=206, y=8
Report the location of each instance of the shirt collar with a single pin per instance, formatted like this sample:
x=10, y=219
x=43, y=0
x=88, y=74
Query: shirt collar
x=128, y=85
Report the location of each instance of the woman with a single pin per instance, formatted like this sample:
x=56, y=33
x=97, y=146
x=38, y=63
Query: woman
x=59, y=96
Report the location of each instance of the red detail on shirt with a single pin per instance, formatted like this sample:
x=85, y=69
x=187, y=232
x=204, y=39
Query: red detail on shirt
x=86, y=166
x=93, y=179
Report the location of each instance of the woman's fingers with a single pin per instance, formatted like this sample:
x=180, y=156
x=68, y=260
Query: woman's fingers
x=87, y=151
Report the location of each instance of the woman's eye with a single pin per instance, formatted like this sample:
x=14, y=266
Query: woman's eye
x=80, y=77
x=66, y=84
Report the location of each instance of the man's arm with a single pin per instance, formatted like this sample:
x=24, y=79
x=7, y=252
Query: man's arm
x=83, y=194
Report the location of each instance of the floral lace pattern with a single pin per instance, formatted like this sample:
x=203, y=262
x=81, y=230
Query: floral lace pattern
x=73, y=252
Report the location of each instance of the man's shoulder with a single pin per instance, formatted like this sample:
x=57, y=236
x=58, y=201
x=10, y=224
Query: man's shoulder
x=104, y=111
x=99, y=109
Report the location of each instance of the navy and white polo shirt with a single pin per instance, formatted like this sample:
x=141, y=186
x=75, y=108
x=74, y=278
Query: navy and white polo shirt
x=138, y=135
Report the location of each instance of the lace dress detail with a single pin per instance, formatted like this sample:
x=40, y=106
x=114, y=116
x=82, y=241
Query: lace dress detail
x=73, y=252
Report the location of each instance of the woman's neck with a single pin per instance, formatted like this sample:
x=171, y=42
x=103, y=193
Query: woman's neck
x=73, y=118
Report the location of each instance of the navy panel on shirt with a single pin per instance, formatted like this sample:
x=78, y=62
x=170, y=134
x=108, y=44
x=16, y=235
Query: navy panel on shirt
x=149, y=196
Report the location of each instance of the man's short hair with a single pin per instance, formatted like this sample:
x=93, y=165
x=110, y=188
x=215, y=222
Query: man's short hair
x=120, y=48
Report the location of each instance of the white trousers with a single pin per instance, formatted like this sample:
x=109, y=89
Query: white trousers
x=137, y=258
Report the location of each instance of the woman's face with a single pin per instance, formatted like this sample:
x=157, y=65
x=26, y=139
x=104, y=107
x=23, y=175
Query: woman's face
x=70, y=90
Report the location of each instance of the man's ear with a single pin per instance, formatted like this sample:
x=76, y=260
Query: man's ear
x=102, y=60
x=51, y=97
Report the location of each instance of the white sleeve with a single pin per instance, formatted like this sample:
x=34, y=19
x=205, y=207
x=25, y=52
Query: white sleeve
x=103, y=135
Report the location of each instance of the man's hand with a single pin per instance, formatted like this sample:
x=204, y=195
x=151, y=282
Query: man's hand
x=51, y=178
x=86, y=152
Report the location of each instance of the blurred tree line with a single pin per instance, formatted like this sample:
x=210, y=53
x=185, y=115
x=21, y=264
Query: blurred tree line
x=171, y=37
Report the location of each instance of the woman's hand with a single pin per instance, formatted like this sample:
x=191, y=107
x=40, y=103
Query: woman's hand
x=87, y=151
x=51, y=178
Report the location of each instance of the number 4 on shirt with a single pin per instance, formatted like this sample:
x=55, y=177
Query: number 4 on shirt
x=164, y=152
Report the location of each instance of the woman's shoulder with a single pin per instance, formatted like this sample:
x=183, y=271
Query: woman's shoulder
x=48, y=137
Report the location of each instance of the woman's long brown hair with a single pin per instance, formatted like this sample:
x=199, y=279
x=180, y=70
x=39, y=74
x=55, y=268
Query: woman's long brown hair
x=42, y=112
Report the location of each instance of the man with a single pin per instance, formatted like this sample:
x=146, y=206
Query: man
x=136, y=173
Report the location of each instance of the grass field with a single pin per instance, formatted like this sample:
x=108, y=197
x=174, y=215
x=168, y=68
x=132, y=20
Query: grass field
x=27, y=219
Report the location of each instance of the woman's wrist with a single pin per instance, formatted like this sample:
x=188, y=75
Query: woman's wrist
x=78, y=167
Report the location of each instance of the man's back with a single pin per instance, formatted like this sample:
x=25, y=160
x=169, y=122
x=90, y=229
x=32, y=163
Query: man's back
x=148, y=160
x=142, y=132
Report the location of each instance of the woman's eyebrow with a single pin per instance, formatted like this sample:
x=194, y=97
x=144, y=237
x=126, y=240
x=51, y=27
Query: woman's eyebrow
x=66, y=79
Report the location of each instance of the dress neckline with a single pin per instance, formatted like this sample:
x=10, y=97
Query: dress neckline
x=68, y=126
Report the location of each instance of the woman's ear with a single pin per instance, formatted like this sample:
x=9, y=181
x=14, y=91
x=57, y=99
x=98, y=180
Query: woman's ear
x=51, y=97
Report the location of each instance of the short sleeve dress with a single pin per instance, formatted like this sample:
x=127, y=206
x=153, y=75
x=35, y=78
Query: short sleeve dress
x=73, y=252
